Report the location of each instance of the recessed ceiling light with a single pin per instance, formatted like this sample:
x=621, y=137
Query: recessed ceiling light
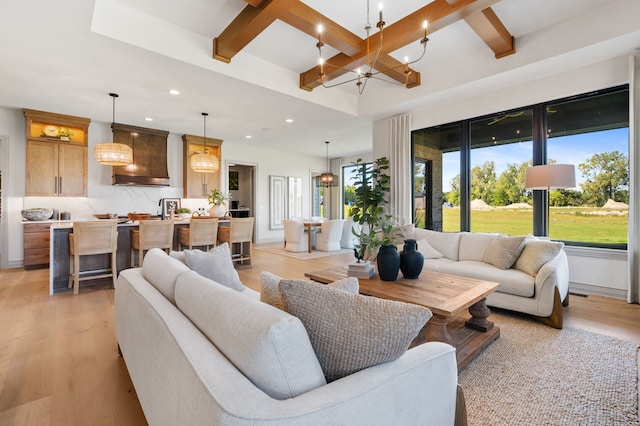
x=248, y=137
x=148, y=119
x=174, y=92
x=289, y=120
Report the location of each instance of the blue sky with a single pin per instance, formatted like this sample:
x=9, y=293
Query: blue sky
x=565, y=150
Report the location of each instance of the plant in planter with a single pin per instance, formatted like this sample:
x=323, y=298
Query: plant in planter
x=184, y=212
x=216, y=200
x=377, y=230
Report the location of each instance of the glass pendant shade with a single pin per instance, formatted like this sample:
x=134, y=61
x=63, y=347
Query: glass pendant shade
x=113, y=154
x=205, y=163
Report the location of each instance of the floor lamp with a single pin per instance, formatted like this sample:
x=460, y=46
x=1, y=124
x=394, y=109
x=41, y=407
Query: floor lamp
x=547, y=177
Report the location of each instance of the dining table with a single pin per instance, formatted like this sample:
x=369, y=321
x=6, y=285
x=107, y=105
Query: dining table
x=309, y=225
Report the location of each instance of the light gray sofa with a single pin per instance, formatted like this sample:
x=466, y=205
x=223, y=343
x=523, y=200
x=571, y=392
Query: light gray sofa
x=523, y=289
x=201, y=353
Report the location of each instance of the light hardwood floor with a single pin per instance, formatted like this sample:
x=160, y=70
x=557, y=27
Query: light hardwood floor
x=58, y=356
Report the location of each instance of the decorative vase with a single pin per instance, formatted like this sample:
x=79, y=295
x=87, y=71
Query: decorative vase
x=388, y=263
x=217, y=211
x=411, y=260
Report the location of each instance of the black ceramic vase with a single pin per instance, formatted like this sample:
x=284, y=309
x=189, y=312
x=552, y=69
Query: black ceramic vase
x=411, y=260
x=388, y=263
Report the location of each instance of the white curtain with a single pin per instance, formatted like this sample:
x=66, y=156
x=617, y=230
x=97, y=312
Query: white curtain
x=400, y=169
x=335, y=202
x=633, y=295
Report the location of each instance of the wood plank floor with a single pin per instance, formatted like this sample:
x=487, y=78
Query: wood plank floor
x=58, y=355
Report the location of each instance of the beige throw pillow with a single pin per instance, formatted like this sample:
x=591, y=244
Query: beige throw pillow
x=503, y=251
x=350, y=332
x=536, y=253
x=216, y=265
x=270, y=293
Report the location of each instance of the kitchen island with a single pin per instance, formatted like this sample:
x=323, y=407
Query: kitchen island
x=59, y=252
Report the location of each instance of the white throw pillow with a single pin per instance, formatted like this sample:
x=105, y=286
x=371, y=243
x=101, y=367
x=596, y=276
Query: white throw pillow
x=216, y=265
x=536, y=253
x=503, y=251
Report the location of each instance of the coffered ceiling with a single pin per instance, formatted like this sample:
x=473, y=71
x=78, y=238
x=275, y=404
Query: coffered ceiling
x=66, y=56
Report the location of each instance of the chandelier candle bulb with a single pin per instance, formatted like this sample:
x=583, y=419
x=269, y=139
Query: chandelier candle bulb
x=380, y=12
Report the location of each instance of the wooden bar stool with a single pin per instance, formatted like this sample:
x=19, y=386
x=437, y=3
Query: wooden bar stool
x=240, y=231
x=151, y=234
x=90, y=238
x=201, y=233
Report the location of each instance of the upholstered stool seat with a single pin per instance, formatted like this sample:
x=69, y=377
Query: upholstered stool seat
x=201, y=233
x=89, y=238
x=151, y=234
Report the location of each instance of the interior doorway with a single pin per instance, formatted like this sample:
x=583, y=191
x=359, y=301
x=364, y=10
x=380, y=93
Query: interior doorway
x=241, y=185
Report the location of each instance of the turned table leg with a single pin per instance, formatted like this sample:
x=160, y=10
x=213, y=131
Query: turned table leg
x=479, y=313
x=437, y=330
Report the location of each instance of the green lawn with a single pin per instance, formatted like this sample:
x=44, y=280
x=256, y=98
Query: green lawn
x=568, y=224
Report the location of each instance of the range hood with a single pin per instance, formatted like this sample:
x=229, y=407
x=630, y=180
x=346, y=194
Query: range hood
x=149, y=167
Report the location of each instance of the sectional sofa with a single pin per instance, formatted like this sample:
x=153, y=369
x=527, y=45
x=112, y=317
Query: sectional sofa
x=199, y=352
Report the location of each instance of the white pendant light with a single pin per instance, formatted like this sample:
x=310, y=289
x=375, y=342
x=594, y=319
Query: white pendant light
x=204, y=162
x=111, y=153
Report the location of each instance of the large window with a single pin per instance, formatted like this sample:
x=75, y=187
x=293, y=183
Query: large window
x=349, y=174
x=470, y=175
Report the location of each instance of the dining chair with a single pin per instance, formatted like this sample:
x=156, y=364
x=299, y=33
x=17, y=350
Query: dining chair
x=294, y=237
x=90, y=238
x=240, y=232
x=201, y=233
x=348, y=239
x=328, y=239
x=151, y=234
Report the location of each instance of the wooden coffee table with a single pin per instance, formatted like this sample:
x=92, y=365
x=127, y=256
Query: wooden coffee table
x=447, y=296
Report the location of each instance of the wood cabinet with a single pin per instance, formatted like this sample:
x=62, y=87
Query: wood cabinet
x=36, y=238
x=56, y=154
x=196, y=184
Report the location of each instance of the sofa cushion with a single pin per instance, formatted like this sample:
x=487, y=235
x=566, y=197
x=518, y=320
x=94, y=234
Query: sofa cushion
x=511, y=281
x=446, y=243
x=503, y=251
x=269, y=346
x=270, y=293
x=215, y=264
x=350, y=332
x=400, y=233
x=437, y=264
x=535, y=254
x=474, y=244
x=161, y=271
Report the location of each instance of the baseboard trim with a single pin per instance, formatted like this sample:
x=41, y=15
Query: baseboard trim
x=587, y=289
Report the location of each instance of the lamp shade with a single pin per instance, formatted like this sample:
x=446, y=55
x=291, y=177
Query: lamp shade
x=550, y=176
x=205, y=163
x=113, y=154
x=326, y=180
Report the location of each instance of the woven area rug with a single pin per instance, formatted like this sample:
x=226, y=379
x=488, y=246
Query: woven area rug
x=537, y=375
x=278, y=249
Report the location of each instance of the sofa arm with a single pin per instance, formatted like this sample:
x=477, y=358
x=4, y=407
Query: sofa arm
x=419, y=388
x=552, y=274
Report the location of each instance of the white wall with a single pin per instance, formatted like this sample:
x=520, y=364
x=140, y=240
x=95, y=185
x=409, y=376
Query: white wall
x=104, y=197
x=591, y=270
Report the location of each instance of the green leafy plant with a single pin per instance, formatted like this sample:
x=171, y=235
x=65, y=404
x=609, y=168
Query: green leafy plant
x=217, y=198
x=372, y=187
x=183, y=210
x=65, y=132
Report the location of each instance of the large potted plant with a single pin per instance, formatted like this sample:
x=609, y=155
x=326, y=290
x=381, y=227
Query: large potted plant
x=216, y=200
x=375, y=236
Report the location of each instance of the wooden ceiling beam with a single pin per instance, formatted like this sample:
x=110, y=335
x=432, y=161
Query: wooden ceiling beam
x=306, y=19
x=493, y=32
x=438, y=13
x=255, y=3
x=247, y=26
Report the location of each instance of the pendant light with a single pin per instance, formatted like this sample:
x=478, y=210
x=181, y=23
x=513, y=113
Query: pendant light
x=111, y=153
x=204, y=162
x=327, y=178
